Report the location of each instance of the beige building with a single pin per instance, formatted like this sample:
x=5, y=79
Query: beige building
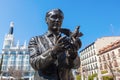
x=89, y=56
x=109, y=58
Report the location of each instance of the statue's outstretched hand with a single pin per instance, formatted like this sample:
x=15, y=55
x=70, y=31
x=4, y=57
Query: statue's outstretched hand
x=74, y=47
x=77, y=43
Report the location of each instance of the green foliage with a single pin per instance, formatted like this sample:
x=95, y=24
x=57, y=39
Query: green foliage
x=21, y=79
x=107, y=78
x=92, y=77
x=95, y=75
x=78, y=77
x=118, y=70
x=103, y=72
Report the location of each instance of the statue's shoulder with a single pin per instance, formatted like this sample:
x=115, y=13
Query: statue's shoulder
x=39, y=37
x=34, y=38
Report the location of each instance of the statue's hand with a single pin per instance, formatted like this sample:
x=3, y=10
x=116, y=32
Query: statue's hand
x=73, y=50
x=76, y=42
x=61, y=44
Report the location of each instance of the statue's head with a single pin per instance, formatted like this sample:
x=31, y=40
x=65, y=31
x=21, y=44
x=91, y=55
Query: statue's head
x=54, y=19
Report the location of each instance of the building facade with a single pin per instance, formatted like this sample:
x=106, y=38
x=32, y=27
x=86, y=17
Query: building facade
x=89, y=64
x=109, y=58
x=89, y=56
x=15, y=57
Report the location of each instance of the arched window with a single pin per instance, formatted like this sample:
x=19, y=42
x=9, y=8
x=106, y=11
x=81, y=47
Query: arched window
x=105, y=65
x=119, y=52
x=108, y=56
x=101, y=67
x=99, y=59
x=113, y=54
x=115, y=63
x=103, y=58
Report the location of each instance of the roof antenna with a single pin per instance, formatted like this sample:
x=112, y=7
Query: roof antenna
x=112, y=28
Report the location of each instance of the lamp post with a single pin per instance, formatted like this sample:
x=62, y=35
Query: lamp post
x=85, y=74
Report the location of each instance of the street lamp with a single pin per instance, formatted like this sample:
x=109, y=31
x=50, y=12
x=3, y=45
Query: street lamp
x=85, y=73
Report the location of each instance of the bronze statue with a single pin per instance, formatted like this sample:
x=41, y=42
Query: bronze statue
x=55, y=53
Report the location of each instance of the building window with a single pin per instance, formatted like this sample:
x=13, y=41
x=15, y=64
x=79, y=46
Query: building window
x=5, y=57
x=113, y=54
x=26, y=74
x=105, y=65
x=20, y=52
x=7, y=46
x=19, y=62
x=31, y=73
x=115, y=63
x=108, y=56
x=119, y=52
x=13, y=52
x=96, y=66
x=6, y=52
x=89, y=54
x=13, y=57
x=91, y=67
x=94, y=52
x=92, y=60
x=20, y=57
x=19, y=68
x=101, y=67
x=4, y=68
x=4, y=62
x=27, y=57
x=95, y=59
x=12, y=62
x=103, y=58
x=99, y=59
x=27, y=62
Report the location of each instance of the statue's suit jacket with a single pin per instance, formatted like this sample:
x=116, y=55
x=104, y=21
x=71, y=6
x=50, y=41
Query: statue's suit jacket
x=45, y=65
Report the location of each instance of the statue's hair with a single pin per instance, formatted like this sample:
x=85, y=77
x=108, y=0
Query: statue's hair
x=54, y=10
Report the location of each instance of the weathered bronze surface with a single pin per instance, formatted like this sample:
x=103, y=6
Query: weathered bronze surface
x=55, y=53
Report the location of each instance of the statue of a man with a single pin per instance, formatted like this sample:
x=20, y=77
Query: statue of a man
x=53, y=55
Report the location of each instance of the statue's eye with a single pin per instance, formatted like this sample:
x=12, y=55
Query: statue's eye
x=60, y=17
x=54, y=16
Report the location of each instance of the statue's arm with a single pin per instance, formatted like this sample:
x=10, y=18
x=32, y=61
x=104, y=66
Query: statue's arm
x=39, y=60
x=73, y=58
x=76, y=62
x=72, y=62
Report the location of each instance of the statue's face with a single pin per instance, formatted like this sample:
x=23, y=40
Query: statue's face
x=54, y=20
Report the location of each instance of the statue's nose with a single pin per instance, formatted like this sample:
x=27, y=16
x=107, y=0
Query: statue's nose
x=57, y=20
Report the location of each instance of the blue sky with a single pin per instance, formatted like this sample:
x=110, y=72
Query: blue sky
x=97, y=18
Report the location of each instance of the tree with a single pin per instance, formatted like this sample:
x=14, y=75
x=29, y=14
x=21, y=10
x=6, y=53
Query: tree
x=1, y=64
x=17, y=74
x=108, y=78
x=91, y=77
x=78, y=77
